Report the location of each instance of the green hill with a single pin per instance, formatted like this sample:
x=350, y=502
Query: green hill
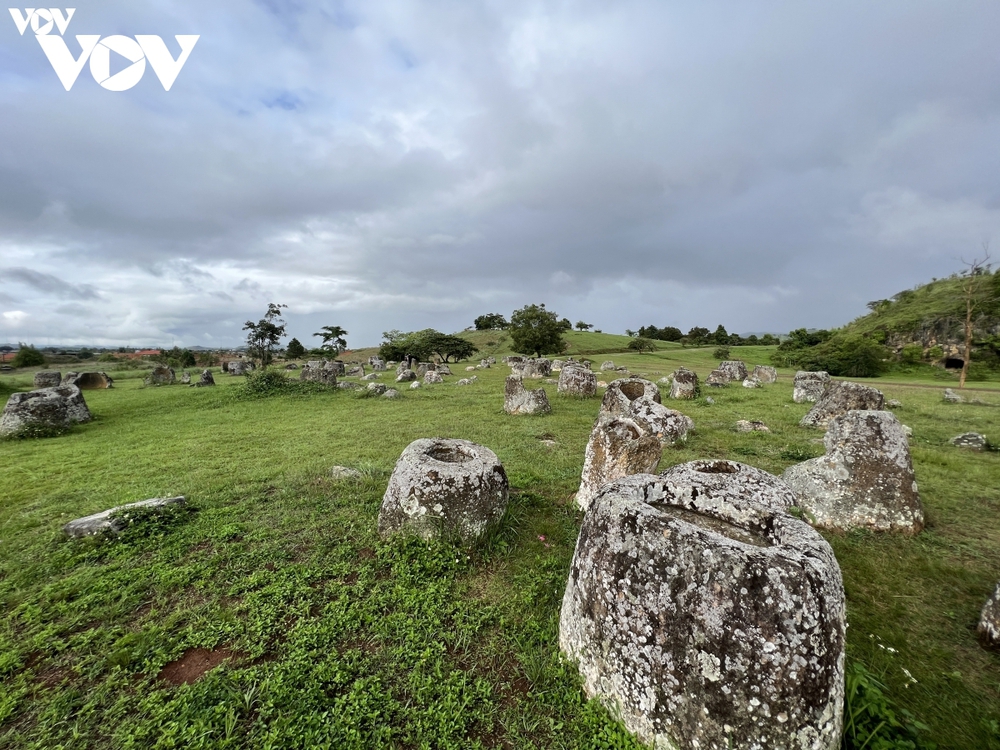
x=933, y=315
x=916, y=328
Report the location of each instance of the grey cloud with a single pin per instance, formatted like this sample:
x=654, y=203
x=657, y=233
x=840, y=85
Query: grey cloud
x=49, y=284
x=398, y=163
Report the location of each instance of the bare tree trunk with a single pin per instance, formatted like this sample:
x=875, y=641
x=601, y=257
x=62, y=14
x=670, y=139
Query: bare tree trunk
x=967, y=354
x=973, y=281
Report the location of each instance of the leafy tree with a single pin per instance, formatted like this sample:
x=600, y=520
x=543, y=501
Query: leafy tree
x=768, y=340
x=490, y=322
x=698, y=336
x=641, y=345
x=720, y=337
x=84, y=354
x=535, y=329
x=334, y=341
x=177, y=357
x=752, y=339
x=670, y=333
x=295, y=350
x=581, y=326
x=265, y=335
x=27, y=356
x=565, y=325
x=630, y=333
x=721, y=352
x=207, y=359
x=446, y=346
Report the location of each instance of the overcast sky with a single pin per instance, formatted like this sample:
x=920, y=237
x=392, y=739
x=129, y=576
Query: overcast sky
x=381, y=165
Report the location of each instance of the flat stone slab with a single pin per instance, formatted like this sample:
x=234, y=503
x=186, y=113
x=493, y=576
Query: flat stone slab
x=103, y=521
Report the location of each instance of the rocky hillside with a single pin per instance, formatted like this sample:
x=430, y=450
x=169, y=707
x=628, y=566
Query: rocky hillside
x=932, y=317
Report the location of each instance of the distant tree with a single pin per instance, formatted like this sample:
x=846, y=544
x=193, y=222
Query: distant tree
x=768, y=340
x=446, y=346
x=533, y=329
x=265, y=335
x=876, y=306
x=581, y=326
x=752, y=339
x=177, y=357
x=565, y=325
x=630, y=333
x=334, y=341
x=684, y=341
x=490, y=322
x=973, y=284
x=295, y=350
x=641, y=345
x=27, y=356
x=721, y=352
x=207, y=359
x=720, y=337
x=697, y=336
x=84, y=354
x=670, y=333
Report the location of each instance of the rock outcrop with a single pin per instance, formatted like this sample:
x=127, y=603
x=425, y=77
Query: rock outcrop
x=444, y=487
x=809, y=386
x=865, y=480
x=839, y=398
x=704, y=615
x=519, y=400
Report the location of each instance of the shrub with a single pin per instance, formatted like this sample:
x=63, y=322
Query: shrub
x=911, y=354
x=871, y=718
x=641, y=345
x=721, y=352
x=27, y=356
x=263, y=383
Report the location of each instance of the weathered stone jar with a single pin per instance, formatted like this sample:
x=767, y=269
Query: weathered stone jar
x=443, y=486
x=865, y=480
x=704, y=615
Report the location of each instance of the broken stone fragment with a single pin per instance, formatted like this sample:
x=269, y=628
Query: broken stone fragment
x=840, y=397
x=519, y=400
x=865, y=480
x=112, y=520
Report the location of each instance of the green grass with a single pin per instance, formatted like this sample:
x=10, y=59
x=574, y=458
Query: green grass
x=339, y=640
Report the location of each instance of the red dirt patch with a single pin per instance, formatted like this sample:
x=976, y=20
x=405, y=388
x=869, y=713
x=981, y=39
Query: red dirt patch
x=193, y=664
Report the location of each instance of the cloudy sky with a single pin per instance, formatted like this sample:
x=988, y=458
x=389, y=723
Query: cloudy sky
x=380, y=165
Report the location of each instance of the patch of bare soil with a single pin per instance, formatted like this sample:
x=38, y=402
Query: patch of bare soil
x=193, y=664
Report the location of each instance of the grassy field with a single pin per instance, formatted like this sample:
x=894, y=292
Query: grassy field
x=321, y=635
